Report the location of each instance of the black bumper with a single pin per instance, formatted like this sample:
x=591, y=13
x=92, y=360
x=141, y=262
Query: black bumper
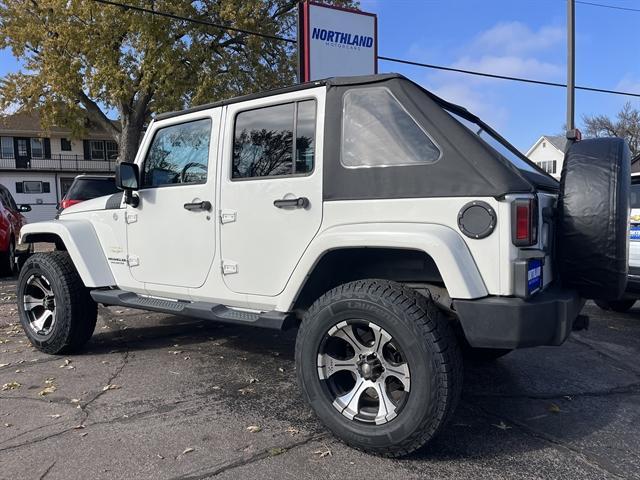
x=508, y=322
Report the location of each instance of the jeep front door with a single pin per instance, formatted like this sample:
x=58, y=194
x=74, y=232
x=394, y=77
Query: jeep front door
x=171, y=233
x=271, y=189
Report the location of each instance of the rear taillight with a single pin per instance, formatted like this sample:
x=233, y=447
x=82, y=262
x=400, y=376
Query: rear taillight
x=524, y=222
x=66, y=203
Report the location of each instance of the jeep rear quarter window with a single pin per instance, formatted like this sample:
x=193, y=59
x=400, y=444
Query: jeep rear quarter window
x=263, y=141
x=377, y=131
x=179, y=154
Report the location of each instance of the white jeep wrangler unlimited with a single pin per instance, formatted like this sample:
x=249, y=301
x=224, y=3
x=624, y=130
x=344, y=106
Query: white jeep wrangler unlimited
x=393, y=228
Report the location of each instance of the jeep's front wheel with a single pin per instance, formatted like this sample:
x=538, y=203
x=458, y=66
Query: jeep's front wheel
x=56, y=311
x=380, y=365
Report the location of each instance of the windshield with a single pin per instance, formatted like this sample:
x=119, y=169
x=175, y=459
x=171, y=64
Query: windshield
x=501, y=146
x=88, y=188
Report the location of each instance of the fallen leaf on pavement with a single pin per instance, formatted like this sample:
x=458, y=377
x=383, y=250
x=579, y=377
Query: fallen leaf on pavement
x=292, y=431
x=185, y=451
x=324, y=452
x=75, y=400
x=254, y=428
x=11, y=386
x=253, y=380
x=110, y=387
x=47, y=390
x=245, y=390
x=502, y=425
x=66, y=363
x=55, y=415
x=553, y=408
x=175, y=352
x=4, y=364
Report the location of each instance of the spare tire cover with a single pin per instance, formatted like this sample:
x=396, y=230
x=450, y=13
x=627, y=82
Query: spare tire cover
x=593, y=218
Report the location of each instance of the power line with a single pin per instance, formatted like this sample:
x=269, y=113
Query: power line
x=504, y=77
x=126, y=6
x=380, y=57
x=614, y=7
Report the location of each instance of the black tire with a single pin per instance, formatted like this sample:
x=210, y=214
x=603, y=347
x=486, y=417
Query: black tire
x=620, y=306
x=75, y=311
x=426, y=339
x=8, y=259
x=593, y=218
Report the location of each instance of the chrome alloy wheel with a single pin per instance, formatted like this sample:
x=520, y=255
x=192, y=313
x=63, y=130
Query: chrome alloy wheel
x=364, y=371
x=39, y=304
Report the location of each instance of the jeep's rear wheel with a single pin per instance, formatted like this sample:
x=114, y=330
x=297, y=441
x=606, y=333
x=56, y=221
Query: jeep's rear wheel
x=55, y=308
x=380, y=365
x=620, y=306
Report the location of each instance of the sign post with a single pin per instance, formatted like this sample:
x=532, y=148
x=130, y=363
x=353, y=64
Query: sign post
x=334, y=41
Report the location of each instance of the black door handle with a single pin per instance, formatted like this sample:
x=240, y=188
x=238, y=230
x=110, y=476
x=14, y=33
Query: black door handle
x=204, y=205
x=300, y=202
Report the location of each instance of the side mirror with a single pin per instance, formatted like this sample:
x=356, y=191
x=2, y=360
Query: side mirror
x=25, y=208
x=127, y=176
x=127, y=179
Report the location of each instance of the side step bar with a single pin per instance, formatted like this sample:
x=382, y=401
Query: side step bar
x=208, y=311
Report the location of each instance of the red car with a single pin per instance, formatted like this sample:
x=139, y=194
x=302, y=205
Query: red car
x=11, y=221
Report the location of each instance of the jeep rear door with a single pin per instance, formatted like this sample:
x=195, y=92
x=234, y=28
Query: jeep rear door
x=271, y=188
x=171, y=233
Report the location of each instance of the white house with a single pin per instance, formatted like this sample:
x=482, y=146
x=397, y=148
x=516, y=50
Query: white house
x=548, y=153
x=38, y=166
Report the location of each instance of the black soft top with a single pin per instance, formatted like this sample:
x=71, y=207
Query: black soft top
x=468, y=166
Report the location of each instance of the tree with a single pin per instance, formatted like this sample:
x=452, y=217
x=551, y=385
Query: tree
x=83, y=59
x=626, y=125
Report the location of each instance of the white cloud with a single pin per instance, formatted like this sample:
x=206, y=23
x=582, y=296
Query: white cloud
x=508, y=48
x=518, y=38
x=480, y=103
x=629, y=83
x=511, y=65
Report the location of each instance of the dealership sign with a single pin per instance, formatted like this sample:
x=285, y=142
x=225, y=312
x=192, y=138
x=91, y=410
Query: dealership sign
x=336, y=42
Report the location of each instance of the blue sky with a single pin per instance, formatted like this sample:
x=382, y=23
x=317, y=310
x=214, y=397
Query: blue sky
x=519, y=38
x=523, y=38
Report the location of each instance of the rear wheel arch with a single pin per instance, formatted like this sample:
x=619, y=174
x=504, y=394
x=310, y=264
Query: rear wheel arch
x=346, y=264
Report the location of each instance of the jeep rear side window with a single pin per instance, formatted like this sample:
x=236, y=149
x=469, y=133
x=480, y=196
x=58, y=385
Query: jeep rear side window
x=378, y=132
x=179, y=154
x=263, y=141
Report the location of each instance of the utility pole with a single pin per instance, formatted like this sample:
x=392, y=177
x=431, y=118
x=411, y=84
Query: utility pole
x=572, y=133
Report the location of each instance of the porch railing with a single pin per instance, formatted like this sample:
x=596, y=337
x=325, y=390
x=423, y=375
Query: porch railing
x=58, y=162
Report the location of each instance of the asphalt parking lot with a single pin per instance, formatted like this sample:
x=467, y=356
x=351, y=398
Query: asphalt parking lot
x=163, y=397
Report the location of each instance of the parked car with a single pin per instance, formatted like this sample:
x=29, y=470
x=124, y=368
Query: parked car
x=632, y=293
x=387, y=224
x=86, y=187
x=11, y=222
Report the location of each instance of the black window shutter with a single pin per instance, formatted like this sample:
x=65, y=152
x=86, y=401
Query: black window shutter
x=46, y=187
x=18, y=187
x=47, y=148
x=87, y=149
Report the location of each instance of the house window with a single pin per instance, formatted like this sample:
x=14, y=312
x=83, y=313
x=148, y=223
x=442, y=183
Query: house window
x=264, y=140
x=22, y=147
x=65, y=144
x=37, y=148
x=97, y=150
x=548, y=166
x=33, y=186
x=112, y=150
x=7, y=147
